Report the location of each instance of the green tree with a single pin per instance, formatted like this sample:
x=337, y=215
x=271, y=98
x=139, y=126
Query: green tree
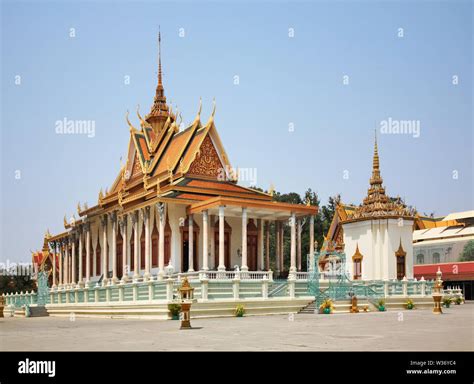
x=467, y=253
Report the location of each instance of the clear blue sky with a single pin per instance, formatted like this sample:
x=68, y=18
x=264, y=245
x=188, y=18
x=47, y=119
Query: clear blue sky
x=283, y=80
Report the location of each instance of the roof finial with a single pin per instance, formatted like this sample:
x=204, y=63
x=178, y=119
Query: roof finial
x=375, y=162
x=160, y=82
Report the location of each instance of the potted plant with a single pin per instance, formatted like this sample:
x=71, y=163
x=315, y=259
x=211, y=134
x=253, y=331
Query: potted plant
x=458, y=301
x=174, y=309
x=447, y=302
x=381, y=305
x=326, y=307
x=239, y=311
x=409, y=304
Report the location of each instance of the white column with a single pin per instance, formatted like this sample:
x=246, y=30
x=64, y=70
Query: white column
x=146, y=215
x=293, y=243
x=213, y=242
x=123, y=233
x=104, y=249
x=66, y=263
x=261, y=242
x=73, y=260
x=113, y=219
x=267, y=247
x=61, y=275
x=221, y=266
x=191, y=244
x=88, y=253
x=55, y=252
x=277, y=246
x=205, y=240
x=298, y=253
x=161, y=239
x=244, y=266
x=282, y=246
x=311, y=242
x=79, y=278
x=135, y=221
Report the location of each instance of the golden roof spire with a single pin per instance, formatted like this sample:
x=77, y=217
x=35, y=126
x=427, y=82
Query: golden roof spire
x=159, y=110
x=160, y=78
x=377, y=203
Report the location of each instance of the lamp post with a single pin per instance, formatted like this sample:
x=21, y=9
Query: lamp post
x=437, y=293
x=186, y=293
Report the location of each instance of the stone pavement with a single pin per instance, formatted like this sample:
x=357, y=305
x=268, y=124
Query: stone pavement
x=395, y=330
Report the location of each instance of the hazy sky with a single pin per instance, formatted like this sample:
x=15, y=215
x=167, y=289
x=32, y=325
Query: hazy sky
x=404, y=61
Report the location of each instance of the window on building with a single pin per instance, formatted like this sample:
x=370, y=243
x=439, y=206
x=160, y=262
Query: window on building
x=436, y=258
x=420, y=259
x=357, y=269
x=357, y=260
x=400, y=267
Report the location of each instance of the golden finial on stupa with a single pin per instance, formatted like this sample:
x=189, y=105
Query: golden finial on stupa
x=79, y=209
x=65, y=221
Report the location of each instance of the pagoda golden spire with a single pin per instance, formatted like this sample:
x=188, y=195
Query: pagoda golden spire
x=159, y=110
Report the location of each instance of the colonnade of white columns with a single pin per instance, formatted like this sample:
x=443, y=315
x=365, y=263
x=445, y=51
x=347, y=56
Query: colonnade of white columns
x=66, y=248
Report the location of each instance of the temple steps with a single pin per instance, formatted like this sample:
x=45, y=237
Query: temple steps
x=157, y=310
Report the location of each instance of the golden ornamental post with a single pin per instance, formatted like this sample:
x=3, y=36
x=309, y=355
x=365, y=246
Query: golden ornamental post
x=186, y=293
x=438, y=293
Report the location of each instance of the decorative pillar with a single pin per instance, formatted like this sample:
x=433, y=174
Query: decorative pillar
x=244, y=266
x=261, y=247
x=298, y=253
x=73, y=259
x=277, y=246
x=293, y=243
x=221, y=266
x=123, y=233
x=60, y=244
x=146, y=216
x=55, y=252
x=282, y=246
x=79, y=279
x=113, y=219
x=66, y=262
x=136, y=274
x=88, y=252
x=267, y=247
x=190, y=244
x=311, y=242
x=161, y=239
x=205, y=241
x=103, y=221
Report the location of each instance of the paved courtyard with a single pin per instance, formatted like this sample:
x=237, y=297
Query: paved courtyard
x=404, y=330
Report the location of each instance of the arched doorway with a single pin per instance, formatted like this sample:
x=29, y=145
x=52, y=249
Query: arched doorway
x=227, y=235
x=185, y=246
x=252, y=245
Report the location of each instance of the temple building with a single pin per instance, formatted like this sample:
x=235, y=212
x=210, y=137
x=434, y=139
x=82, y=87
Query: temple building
x=376, y=236
x=175, y=206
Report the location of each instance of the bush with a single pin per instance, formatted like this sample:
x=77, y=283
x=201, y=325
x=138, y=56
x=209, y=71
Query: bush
x=174, y=309
x=409, y=304
x=458, y=300
x=239, y=311
x=327, y=306
x=447, y=302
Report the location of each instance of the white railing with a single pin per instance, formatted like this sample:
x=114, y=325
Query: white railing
x=302, y=275
x=242, y=275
